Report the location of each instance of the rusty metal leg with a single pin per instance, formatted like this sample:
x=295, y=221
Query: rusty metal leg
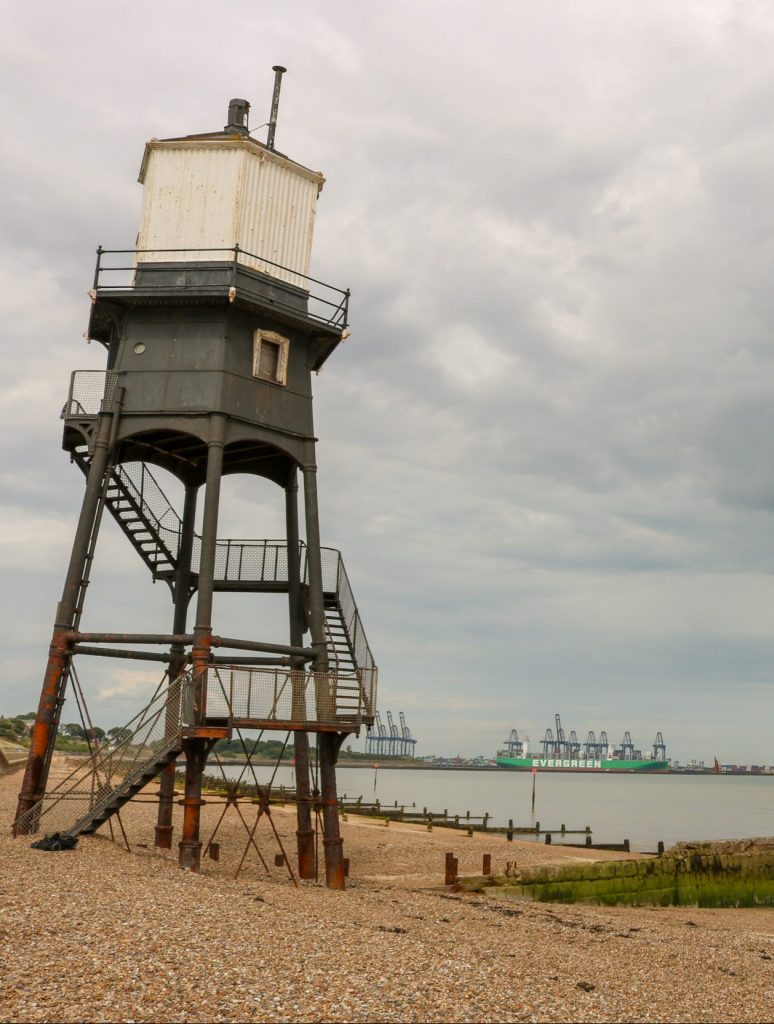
x=333, y=844
x=203, y=629
x=327, y=743
x=163, y=837
x=196, y=750
x=164, y=827
x=47, y=719
x=190, y=845
x=304, y=831
x=44, y=730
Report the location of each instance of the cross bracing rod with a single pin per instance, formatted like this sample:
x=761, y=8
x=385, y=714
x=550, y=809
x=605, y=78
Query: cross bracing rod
x=287, y=650
x=215, y=659
x=231, y=659
x=131, y=638
x=118, y=652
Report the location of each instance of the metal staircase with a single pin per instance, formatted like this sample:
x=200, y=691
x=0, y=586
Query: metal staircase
x=341, y=659
x=137, y=521
x=150, y=522
x=144, y=514
x=113, y=801
x=100, y=786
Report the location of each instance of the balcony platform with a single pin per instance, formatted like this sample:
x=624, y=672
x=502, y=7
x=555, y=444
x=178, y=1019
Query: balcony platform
x=131, y=277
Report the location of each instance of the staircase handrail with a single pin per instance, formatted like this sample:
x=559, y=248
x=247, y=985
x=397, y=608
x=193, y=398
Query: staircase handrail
x=108, y=761
x=364, y=659
x=168, y=536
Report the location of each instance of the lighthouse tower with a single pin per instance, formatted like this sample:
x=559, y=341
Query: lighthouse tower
x=212, y=328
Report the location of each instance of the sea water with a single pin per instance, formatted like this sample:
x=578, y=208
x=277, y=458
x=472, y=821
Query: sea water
x=641, y=808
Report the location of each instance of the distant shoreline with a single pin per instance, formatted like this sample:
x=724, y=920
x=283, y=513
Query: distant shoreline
x=266, y=762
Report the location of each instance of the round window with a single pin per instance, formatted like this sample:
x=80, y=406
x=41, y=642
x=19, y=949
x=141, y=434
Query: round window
x=139, y=348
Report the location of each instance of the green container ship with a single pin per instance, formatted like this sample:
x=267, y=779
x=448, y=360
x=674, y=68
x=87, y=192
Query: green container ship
x=566, y=753
x=578, y=764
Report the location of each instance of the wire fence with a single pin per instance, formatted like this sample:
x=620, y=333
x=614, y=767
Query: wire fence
x=111, y=771
x=289, y=696
x=90, y=391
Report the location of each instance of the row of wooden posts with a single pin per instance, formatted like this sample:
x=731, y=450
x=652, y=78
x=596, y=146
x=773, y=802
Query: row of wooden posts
x=466, y=822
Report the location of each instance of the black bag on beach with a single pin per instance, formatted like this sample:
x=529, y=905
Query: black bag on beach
x=56, y=841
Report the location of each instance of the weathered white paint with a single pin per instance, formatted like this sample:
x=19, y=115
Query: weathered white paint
x=209, y=194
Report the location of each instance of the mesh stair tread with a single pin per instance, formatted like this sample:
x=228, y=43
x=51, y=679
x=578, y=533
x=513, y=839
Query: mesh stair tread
x=125, y=790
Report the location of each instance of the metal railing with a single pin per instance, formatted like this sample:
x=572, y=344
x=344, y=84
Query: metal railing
x=141, y=486
x=90, y=392
x=92, y=785
x=327, y=304
x=353, y=624
x=290, y=697
x=238, y=561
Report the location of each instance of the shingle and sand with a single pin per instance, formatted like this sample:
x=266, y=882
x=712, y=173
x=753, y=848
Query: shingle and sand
x=101, y=934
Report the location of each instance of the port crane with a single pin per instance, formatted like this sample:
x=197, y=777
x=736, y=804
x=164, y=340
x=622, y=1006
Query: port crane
x=407, y=740
x=390, y=740
x=515, y=744
x=596, y=747
x=549, y=744
x=564, y=745
x=393, y=744
x=626, y=751
x=591, y=747
x=573, y=744
x=560, y=738
x=659, y=748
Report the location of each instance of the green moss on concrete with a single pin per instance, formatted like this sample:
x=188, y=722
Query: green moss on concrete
x=704, y=877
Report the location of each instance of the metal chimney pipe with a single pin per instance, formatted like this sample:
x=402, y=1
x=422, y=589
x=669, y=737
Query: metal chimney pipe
x=237, y=117
x=279, y=71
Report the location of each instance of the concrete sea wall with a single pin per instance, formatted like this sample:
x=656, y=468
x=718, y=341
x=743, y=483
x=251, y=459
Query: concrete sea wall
x=738, y=874
x=12, y=757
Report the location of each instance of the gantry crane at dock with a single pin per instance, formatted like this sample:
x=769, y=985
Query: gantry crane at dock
x=591, y=747
x=515, y=744
x=549, y=744
x=659, y=748
x=604, y=745
x=626, y=751
x=408, y=740
x=595, y=747
x=390, y=741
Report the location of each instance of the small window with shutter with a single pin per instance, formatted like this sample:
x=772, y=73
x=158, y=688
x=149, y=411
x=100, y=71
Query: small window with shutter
x=270, y=357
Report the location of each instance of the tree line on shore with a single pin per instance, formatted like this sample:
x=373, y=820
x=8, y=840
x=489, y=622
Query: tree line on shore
x=73, y=738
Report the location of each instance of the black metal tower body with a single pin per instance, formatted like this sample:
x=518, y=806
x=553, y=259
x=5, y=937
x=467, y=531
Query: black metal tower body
x=213, y=329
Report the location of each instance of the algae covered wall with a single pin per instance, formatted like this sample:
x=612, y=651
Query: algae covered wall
x=704, y=875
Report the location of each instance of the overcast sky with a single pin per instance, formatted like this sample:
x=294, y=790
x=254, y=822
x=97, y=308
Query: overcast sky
x=546, y=451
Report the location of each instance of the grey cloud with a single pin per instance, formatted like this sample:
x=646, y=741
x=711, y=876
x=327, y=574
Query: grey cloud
x=545, y=450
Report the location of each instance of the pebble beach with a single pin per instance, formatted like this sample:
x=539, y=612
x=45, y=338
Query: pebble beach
x=102, y=933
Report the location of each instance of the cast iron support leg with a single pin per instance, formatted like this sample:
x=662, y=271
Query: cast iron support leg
x=196, y=751
x=333, y=844
x=304, y=831
x=163, y=838
x=47, y=719
x=190, y=846
x=327, y=743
